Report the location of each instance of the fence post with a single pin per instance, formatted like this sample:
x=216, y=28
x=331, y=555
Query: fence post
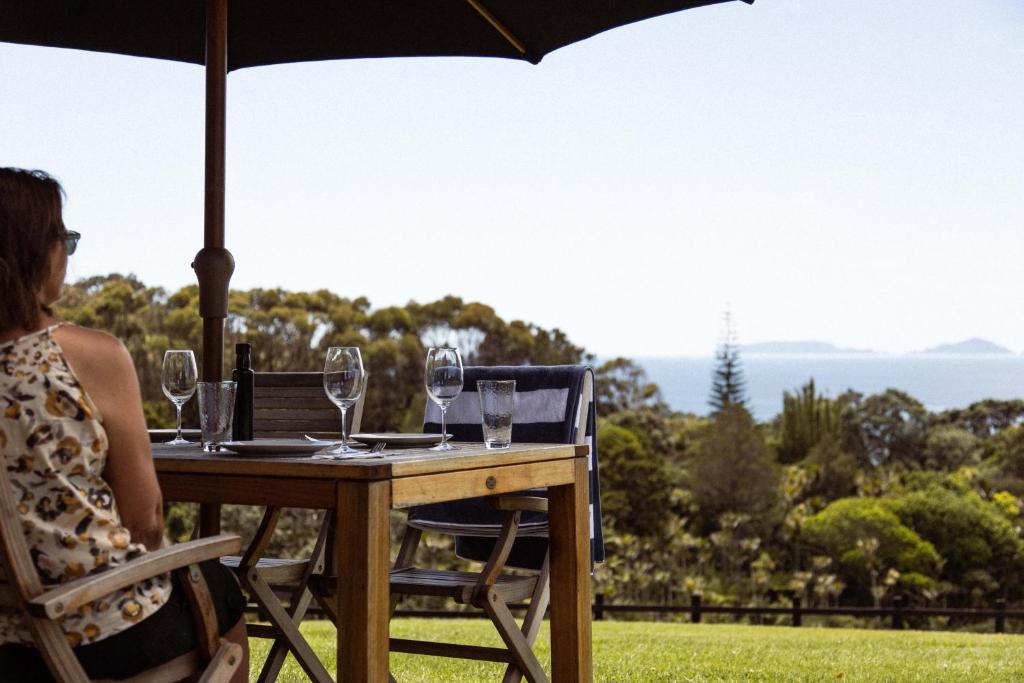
x=897, y=612
x=797, y=616
x=1000, y=615
x=598, y=606
x=695, y=608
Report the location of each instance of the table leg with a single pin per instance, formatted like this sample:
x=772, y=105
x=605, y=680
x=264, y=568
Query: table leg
x=209, y=519
x=569, y=520
x=362, y=545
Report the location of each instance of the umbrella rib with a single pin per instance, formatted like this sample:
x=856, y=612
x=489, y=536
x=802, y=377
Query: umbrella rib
x=498, y=26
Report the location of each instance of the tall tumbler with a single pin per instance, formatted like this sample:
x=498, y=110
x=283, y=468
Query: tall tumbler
x=216, y=410
x=497, y=403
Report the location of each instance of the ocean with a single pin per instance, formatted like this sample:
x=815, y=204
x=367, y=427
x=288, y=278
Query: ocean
x=938, y=381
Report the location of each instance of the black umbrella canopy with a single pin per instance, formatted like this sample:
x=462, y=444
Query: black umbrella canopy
x=265, y=32
x=233, y=34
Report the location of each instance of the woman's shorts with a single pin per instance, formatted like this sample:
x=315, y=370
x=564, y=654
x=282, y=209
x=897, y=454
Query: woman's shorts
x=167, y=633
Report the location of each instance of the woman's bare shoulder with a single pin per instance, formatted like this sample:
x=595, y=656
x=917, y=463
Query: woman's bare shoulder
x=92, y=349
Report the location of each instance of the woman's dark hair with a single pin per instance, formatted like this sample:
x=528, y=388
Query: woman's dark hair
x=31, y=203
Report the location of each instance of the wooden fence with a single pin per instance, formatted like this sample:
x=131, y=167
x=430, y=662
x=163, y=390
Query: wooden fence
x=897, y=613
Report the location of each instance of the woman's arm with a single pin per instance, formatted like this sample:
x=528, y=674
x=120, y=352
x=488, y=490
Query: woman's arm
x=105, y=369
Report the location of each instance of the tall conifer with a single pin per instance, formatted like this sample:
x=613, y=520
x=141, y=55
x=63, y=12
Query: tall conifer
x=728, y=387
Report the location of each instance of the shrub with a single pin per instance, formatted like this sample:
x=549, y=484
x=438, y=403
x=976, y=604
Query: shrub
x=843, y=531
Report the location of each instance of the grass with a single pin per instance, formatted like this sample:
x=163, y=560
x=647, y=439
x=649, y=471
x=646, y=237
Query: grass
x=642, y=652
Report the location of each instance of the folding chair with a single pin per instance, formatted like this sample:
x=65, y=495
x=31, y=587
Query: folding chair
x=288, y=405
x=43, y=606
x=552, y=405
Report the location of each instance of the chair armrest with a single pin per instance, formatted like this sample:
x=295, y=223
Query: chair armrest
x=524, y=503
x=71, y=595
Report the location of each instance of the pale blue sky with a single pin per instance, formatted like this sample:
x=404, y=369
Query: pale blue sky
x=848, y=171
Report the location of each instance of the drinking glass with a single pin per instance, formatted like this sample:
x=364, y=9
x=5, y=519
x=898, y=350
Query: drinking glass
x=497, y=404
x=444, y=382
x=344, y=380
x=178, y=380
x=216, y=413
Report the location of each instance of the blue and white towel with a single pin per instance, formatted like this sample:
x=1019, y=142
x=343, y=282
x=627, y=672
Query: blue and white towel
x=547, y=405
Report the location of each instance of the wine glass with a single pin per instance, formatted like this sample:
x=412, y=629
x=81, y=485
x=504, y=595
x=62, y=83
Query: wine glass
x=444, y=382
x=344, y=380
x=178, y=380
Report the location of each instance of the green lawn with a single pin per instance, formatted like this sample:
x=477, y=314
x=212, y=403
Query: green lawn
x=655, y=652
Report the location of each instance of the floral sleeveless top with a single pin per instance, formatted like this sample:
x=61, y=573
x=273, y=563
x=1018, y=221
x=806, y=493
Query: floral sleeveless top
x=54, y=447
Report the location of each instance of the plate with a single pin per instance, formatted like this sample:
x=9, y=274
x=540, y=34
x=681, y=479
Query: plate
x=396, y=440
x=294, y=448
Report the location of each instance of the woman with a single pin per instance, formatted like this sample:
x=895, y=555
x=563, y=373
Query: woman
x=73, y=439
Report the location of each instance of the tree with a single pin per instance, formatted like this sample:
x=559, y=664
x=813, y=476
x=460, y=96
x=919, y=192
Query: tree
x=733, y=471
x=949, y=448
x=972, y=535
x=832, y=470
x=635, y=484
x=985, y=418
x=886, y=427
x=867, y=539
x=622, y=385
x=807, y=417
x=1004, y=461
x=727, y=385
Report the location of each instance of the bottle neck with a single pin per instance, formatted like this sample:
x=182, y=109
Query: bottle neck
x=243, y=357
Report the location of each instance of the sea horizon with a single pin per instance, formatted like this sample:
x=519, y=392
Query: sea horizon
x=939, y=381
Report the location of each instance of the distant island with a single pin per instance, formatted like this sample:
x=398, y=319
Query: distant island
x=969, y=346
x=799, y=347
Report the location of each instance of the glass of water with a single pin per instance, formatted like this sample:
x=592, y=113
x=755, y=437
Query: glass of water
x=343, y=383
x=178, y=380
x=497, y=403
x=216, y=413
x=444, y=382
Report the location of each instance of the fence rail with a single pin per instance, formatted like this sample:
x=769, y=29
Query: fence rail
x=897, y=613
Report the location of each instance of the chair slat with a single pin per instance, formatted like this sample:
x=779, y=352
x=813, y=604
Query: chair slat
x=333, y=424
x=260, y=414
x=289, y=379
x=458, y=585
x=294, y=392
x=261, y=402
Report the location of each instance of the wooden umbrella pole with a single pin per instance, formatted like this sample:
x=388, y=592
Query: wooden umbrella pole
x=214, y=264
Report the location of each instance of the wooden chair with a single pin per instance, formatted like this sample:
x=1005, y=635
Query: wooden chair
x=288, y=405
x=215, y=660
x=553, y=404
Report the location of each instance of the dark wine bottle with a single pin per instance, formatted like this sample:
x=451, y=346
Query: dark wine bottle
x=241, y=428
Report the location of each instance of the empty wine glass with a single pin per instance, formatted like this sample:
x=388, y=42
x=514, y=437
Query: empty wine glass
x=444, y=382
x=178, y=380
x=343, y=384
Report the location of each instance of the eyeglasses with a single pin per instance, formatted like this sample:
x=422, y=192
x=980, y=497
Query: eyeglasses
x=71, y=240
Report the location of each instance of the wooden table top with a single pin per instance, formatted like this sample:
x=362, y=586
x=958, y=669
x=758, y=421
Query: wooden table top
x=395, y=463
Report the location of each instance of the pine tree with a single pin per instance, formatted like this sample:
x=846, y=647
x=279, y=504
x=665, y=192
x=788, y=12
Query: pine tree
x=728, y=388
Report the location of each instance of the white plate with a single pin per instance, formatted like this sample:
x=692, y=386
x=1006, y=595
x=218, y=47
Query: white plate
x=396, y=440
x=284, y=448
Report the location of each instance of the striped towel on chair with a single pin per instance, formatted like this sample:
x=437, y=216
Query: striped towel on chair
x=547, y=405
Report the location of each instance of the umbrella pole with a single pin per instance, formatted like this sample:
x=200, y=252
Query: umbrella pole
x=214, y=264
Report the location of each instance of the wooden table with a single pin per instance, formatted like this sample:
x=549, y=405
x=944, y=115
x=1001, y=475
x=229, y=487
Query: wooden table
x=364, y=491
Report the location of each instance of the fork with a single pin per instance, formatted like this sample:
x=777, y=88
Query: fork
x=379, y=446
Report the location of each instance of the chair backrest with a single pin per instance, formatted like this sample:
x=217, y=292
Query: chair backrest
x=291, y=404
x=553, y=404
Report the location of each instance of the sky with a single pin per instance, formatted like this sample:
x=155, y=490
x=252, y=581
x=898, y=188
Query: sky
x=846, y=171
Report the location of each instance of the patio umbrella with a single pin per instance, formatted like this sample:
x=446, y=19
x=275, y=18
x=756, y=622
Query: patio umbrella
x=261, y=32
